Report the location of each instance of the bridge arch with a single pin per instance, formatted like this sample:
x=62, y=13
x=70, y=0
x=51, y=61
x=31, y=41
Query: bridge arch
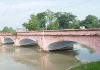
x=8, y=40
x=64, y=44
x=27, y=41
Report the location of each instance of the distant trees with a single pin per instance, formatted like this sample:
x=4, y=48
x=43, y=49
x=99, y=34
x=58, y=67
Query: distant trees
x=65, y=20
x=90, y=21
x=53, y=26
x=33, y=23
x=8, y=29
x=59, y=20
x=49, y=20
x=42, y=19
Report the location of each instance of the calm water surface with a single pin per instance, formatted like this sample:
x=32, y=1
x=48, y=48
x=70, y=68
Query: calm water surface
x=22, y=58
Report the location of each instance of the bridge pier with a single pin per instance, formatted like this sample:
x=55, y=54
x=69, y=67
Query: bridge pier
x=2, y=40
x=16, y=43
x=42, y=44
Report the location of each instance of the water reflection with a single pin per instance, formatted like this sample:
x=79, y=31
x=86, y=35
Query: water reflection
x=85, y=54
x=22, y=58
x=6, y=48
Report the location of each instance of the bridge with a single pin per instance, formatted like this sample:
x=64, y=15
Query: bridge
x=47, y=39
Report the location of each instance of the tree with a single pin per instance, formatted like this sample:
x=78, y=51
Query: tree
x=42, y=19
x=99, y=23
x=53, y=26
x=75, y=24
x=50, y=17
x=64, y=19
x=59, y=20
x=90, y=21
x=8, y=29
x=32, y=24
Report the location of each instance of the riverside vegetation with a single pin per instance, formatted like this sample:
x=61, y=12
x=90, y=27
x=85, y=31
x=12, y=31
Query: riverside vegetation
x=88, y=66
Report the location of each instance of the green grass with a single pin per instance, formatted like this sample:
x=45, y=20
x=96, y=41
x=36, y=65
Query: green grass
x=88, y=66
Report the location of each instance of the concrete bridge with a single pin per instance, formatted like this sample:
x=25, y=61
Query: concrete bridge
x=47, y=39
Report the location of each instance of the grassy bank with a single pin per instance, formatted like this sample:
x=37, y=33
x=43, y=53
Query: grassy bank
x=88, y=66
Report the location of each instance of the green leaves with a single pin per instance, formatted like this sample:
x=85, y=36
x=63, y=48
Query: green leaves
x=8, y=29
x=32, y=24
x=64, y=20
x=90, y=21
x=42, y=19
x=53, y=26
x=59, y=20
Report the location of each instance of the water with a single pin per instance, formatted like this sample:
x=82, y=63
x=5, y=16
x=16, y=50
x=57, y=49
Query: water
x=27, y=58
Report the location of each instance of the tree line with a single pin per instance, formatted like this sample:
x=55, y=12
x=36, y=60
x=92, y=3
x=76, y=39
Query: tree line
x=8, y=29
x=50, y=20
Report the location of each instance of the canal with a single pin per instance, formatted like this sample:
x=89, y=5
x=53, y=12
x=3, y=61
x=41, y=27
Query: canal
x=28, y=58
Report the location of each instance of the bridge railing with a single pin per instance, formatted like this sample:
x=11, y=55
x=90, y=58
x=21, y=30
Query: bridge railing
x=65, y=32
x=5, y=33
x=54, y=32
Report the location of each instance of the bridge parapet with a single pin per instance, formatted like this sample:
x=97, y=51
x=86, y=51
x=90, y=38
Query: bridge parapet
x=63, y=32
x=78, y=32
x=6, y=34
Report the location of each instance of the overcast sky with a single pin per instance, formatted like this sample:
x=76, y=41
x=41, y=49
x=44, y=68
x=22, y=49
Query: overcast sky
x=14, y=13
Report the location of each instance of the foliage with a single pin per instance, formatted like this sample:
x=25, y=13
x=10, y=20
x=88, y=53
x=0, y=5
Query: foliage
x=74, y=25
x=32, y=24
x=59, y=20
x=42, y=19
x=53, y=26
x=39, y=21
x=89, y=66
x=64, y=20
x=8, y=29
x=50, y=16
x=90, y=21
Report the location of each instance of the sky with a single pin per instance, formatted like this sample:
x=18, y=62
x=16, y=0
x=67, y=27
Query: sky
x=13, y=13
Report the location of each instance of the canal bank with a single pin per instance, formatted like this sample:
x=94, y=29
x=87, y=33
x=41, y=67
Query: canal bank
x=87, y=66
